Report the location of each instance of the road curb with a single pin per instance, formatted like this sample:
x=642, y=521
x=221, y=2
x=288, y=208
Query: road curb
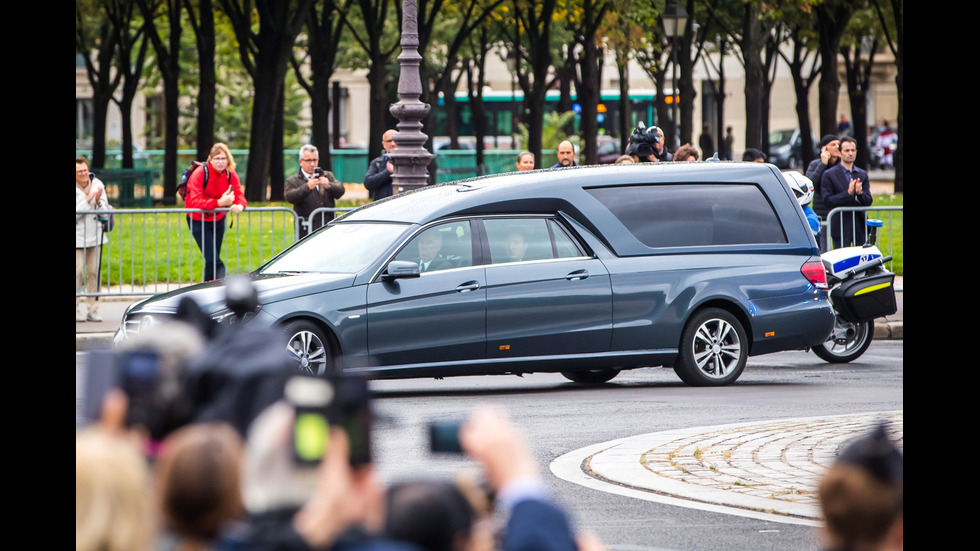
x=765, y=469
x=92, y=341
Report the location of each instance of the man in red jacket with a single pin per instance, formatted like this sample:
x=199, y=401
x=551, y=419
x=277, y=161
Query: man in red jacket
x=213, y=186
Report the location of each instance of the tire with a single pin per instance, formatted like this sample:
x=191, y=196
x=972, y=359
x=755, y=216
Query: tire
x=713, y=349
x=847, y=342
x=592, y=376
x=309, y=347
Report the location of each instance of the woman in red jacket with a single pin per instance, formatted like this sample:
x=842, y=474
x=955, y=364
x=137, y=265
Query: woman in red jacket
x=213, y=185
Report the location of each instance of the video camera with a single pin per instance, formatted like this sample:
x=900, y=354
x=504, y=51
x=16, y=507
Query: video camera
x=642, y=140
x=177, y=373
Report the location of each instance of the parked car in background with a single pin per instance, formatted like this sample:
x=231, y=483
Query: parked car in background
x=585, y=271
x=786, y=148
x=607, y=150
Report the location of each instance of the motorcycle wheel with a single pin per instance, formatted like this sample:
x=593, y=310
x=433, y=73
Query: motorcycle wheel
x=847, y=342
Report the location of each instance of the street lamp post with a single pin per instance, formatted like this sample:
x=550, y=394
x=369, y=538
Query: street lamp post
x=410, y=158
x=675, y=21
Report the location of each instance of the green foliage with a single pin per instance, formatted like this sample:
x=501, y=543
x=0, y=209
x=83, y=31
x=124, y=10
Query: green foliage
x=553, y=130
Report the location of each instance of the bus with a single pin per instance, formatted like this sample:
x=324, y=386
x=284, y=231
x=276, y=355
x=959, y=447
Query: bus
x=503, y=107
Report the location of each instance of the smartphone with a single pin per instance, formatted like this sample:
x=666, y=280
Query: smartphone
x=356, y=416
x=444, y=437
x=321, y=403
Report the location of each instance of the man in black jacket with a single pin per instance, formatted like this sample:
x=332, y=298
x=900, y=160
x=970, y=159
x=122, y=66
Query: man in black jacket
x=312, y=188
x=378, y=178
x=829, y=156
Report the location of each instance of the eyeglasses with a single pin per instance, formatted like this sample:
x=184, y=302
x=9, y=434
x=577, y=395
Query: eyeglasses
x=313, y=160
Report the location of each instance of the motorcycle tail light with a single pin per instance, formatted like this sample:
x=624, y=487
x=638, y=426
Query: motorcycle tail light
x=814, y=272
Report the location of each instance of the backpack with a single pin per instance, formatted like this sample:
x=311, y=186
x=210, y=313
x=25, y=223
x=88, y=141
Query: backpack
x=182, y=186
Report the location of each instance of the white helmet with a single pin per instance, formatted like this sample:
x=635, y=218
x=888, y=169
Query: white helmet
x=801, y=185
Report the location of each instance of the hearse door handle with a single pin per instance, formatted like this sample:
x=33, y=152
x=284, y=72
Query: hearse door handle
x=577, y=275
x=468, y=286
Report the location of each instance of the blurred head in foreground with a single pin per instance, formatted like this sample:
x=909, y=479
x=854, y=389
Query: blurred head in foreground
x=862, y=495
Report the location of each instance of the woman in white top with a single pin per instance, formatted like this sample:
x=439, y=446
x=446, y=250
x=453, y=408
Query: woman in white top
x=90, y=194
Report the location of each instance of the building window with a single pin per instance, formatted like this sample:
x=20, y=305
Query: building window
x=83, y=123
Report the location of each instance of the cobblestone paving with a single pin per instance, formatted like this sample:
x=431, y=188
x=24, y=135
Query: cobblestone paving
x=770, y=468
x=782, y=460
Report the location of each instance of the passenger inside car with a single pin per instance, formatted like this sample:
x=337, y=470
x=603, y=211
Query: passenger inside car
x=516, y=245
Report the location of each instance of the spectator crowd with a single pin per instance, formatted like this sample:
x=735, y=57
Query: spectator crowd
x=213, y=452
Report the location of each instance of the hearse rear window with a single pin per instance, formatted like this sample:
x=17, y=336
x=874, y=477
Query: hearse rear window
x=691, y=215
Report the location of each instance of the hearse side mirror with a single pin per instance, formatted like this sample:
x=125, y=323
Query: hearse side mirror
x=399, y=269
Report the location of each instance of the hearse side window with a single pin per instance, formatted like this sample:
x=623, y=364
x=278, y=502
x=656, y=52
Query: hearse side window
x=693, y=214
x=523, y=239
x=565, y=246
x=441, y=247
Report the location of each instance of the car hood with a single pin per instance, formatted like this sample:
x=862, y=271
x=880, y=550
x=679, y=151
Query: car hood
x=271, y=288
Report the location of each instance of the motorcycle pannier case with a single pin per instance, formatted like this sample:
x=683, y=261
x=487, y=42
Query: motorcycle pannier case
x=866, y=298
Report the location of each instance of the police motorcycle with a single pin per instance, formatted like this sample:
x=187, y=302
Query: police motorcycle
x=860, y=287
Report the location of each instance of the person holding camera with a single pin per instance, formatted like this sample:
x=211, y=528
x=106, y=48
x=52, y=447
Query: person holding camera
x=378, y=178
x=312, y=188
x=214, y=185
x=90, y=194
x=643, y=144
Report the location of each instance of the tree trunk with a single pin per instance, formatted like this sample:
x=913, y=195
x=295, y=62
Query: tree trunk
x=100, y=111
x=320, y=132
x=589, y=99
x=832, y=20
x=126, y=115
x=754, y=75
x=207, y=80
x=685, y=87
x=323, y=41
x=859, y=104
x=377, y=105
x=801, y=86
x=625, y=114
x=266, y=102
x=277, y=167
x=171, y=96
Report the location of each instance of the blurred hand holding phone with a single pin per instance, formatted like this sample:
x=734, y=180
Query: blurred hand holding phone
x=323, y=402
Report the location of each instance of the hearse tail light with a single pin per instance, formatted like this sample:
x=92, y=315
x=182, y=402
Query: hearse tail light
x=814, y=272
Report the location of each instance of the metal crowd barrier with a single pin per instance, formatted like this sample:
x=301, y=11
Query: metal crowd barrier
x=150, y=251
x=320, y=217
x=890, y=236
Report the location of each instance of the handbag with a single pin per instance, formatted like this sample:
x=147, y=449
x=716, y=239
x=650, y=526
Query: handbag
x=108, y=221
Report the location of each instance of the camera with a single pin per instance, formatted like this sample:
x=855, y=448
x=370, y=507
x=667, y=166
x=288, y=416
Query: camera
x=321, y=403
x=444, y=437
x=156, y=402
x=318, y=172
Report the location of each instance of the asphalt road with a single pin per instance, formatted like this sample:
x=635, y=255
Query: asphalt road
x=559, y=416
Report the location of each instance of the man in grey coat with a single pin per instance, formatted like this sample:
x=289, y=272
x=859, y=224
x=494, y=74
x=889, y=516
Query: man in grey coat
x=312, y=188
